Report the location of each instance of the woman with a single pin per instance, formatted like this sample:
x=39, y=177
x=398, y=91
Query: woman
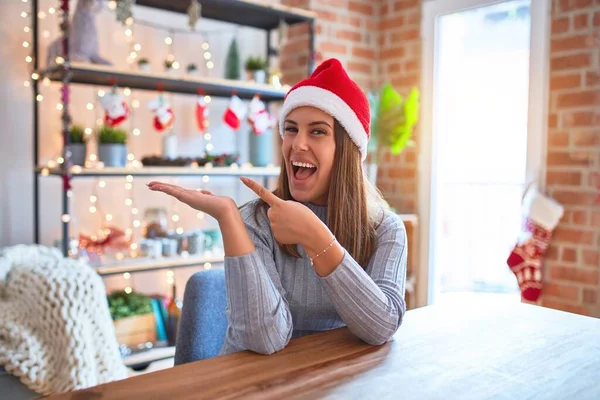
x=322, y=251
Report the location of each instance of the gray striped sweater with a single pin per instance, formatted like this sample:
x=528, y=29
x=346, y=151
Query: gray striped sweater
x=272, y=297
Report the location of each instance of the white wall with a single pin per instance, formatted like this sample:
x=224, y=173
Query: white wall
x=16, y=161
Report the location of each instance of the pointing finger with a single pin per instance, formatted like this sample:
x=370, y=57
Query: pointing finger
x=263, y=193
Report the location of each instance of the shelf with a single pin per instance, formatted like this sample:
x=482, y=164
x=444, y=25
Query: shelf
x=253, y=13
x=142, y=265
x=148, y=356
x=165, y=171
x=101, y=75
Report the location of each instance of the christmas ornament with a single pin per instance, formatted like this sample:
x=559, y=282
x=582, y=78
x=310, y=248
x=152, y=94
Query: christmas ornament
x=194, y=11
x=542, y=214
x=116, y=110
x=201, y=114
x=258, y=117
x=232, y=62
x=163, y=115
x=235, y=113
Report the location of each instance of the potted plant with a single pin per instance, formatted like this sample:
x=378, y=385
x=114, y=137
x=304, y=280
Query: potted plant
x=256, y=69
x=133, y=317
x=192, y=69
x=169, y=66
x=78, y=145
x=144, y=64
x=393, y=119
x=112, y=148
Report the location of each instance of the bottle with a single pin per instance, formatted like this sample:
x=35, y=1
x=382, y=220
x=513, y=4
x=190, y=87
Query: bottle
x=173, y=317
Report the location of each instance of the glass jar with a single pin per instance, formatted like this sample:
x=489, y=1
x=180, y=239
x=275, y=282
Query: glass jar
x=155, y=223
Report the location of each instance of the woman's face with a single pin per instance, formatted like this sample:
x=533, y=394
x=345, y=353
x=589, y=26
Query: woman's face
x=308, y=150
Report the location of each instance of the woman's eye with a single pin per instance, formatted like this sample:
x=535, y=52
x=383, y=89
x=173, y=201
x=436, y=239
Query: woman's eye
x=319, y=132
x=290, y=129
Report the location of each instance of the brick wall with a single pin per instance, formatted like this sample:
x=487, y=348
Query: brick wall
x=573, y=166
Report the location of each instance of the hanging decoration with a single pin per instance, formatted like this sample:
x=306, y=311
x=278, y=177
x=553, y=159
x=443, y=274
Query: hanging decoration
x=116, y=110
x=163, y=114
x=235, y=113
x=201, y=114
x=194, y=11
x=258, y=116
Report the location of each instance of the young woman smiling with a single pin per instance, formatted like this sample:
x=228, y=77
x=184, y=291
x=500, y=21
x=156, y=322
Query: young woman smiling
x=322, y=251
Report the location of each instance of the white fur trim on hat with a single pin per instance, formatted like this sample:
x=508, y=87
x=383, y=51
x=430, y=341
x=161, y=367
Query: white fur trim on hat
x=333, y=105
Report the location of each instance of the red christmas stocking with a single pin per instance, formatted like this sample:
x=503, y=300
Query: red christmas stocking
x=201, y=114
x=235, y=113
x=525, y=260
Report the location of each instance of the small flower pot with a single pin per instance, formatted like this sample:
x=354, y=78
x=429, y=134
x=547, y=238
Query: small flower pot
x=261, y=148
x=258, y=76
x=113, y=155
x=78, y=153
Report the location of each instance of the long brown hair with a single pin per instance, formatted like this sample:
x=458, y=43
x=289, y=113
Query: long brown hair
x=354, y=205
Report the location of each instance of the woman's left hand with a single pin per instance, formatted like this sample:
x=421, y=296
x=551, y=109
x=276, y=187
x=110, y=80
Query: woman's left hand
x=291, y=222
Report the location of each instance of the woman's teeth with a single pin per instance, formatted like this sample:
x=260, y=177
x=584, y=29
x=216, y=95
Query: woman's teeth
x=303, y=165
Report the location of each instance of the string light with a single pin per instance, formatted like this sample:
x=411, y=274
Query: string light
x=46, y=34
x=59, y=106
x=207, y=99
x=46, y=81
x=26, y=83
x=45, y=172
x=135, y=211
x=60, y=160
x=93, y=157
x=168, y=40
x=126, y=91
x=128, y=32
x=90, y=106
x=25, y=44
x=52, y=10
x=59, y=60
x=92, y=209
x=128, y=202
x=135, y=103
x=207, y=265
x=41, y=15
x=129, y=178
x=137, y=47
x=129, y=21
x=128, y=186
x=179, y=231
x=205, y=46
x=93, y=199
x=210, y=65
x=209, y=147
x=136, y=132
x=207, y=55
x=65, y=218
x=35, y=76
x=101, y=93
x=24, y=14
x=102, y=184
x=136, y=223
x=175, y=218
x=112, y=4
x=130, y=157
x=126, y=275
x=207, y=136
x=127, y=290
x=109, y=217
x=26, y=29
x=39, y=97
x=28, y=59
x=205, y=179
x=88, y=131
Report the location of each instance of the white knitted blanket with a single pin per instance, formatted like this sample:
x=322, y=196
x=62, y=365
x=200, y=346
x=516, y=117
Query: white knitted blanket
x=56, y=333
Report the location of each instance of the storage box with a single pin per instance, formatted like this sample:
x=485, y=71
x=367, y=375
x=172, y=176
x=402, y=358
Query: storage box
x=132, y=331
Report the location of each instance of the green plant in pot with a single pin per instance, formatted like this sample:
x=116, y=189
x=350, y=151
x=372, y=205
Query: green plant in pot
x=256, y=69
x=112, y=146
x=393, y=119
x=192, y=69
x=144, y=64
x=77, y=144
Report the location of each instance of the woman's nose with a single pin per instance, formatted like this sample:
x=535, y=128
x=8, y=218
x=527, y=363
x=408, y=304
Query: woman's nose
x=300, y=142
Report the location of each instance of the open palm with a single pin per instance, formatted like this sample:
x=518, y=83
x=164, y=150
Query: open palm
x=201, y=200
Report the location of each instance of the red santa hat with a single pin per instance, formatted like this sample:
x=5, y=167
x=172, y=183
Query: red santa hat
x=330, y=89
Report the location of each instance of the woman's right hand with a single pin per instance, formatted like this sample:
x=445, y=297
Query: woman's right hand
x=218, y=207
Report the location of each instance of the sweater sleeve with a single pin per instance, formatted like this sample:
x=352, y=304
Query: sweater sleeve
x=371, y=302
x=258, y=314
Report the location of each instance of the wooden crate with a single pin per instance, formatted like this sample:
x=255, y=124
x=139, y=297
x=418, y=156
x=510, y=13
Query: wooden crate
x=132, y=331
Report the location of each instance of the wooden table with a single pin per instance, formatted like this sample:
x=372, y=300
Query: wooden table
x=489, y=351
